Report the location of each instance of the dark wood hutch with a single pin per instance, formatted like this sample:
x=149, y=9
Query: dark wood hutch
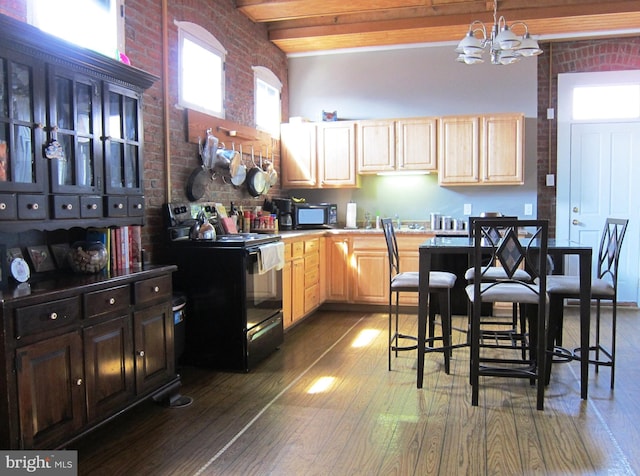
x=75, y=350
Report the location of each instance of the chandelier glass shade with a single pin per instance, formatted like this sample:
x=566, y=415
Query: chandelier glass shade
x=504, y=46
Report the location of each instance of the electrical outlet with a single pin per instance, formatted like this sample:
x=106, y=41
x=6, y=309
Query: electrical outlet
x=467, y=209
x=528, y=209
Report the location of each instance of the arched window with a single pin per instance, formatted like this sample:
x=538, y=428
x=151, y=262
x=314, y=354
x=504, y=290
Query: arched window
x=268, y=109
x=94, y=24
x=201, y=70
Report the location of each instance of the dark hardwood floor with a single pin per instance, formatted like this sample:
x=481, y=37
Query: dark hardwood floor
x=369, y=421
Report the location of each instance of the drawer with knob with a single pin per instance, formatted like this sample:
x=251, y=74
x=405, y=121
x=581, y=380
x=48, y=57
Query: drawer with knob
x=47, y=316
x=150, y=290
x=8, y=206
x=65, y=206
x=32, y=207
x=107, y=301
x=91, y=206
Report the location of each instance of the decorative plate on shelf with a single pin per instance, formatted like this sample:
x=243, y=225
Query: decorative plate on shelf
x=20, y=270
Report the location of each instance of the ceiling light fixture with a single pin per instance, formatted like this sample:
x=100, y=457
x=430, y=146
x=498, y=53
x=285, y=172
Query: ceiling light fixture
x=504, y=46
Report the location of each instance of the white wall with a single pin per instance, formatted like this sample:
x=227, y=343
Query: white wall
x=417, y=81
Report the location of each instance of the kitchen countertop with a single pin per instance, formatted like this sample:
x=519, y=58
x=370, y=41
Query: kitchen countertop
x=364, y=231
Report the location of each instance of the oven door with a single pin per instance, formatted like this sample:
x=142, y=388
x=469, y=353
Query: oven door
x=264, y=292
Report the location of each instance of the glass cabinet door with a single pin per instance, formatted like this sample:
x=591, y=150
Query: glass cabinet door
x=74, y=147
x=123, y=142
x=21, y=125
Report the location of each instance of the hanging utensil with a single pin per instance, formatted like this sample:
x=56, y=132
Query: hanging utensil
x=238, y=169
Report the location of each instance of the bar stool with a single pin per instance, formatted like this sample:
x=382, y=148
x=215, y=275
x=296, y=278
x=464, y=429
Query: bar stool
x=440, y=284
x=603, y=288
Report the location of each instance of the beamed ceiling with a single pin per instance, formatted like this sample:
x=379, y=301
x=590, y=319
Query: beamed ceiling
x=303, y=26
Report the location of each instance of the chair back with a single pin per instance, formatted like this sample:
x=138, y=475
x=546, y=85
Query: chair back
x=495, y=215
x=511, y=243
x=392, y=246
x=610, y=244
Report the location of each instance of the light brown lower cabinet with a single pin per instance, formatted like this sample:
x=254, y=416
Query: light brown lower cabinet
x=357, y=269
x=301, y=278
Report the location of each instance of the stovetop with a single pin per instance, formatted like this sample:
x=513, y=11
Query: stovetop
x=180, y=217
x=244, y=240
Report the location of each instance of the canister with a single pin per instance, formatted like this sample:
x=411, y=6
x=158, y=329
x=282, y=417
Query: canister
x=446, y=222
x=436, y=221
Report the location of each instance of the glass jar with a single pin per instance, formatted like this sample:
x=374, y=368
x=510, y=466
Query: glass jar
x=87, y=257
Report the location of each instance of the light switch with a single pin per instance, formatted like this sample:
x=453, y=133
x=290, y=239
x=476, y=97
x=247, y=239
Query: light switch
x=551, y=180
x=528, y=209
x=467, y=209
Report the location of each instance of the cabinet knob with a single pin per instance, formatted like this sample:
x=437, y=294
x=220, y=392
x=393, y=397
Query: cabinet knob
x=138, y=206
x=33, y=206
x=67, y=206
x=79, y=382
x=575, y=222
x=141, y=353
x=53, y=316
x=112, y=301
x=92, y=206
x=156, y=289
x=119, y=206
x=39, y=125
x=3, y=206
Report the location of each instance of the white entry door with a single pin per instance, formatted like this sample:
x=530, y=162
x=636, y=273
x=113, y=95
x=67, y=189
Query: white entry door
x=605, y=182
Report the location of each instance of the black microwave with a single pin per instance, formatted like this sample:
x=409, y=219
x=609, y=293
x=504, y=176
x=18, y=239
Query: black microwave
x=314, y=215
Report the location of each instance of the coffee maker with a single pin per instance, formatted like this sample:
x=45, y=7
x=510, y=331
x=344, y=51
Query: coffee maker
x=285, y=213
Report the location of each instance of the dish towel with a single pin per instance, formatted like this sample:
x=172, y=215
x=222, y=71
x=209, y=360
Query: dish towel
x=270, y=256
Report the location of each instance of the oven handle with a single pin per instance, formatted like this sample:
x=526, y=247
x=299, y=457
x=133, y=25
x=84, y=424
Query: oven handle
x=256, y=333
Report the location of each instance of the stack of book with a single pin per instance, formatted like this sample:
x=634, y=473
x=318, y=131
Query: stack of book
x=124, y=245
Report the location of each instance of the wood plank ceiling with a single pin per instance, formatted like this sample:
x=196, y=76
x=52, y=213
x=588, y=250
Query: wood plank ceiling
x=302, y=26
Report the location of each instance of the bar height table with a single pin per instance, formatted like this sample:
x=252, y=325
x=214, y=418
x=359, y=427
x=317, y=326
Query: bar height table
x=464, y=245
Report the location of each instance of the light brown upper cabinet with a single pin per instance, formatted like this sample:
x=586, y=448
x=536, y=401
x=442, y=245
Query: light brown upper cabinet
x=318, y=155
x=396, y=145
x=481, y=150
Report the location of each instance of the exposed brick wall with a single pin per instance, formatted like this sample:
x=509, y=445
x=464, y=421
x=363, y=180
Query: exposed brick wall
x=247, y=45
x=571, y=57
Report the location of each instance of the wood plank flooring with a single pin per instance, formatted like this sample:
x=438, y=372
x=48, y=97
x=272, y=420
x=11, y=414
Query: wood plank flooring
x=369, y=421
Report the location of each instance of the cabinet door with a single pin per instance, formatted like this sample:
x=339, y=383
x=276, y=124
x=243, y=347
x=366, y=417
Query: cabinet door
x=416, y=144
x=153, y=346
x=75, y=121
x=376, y=146
x=458, y=150
x=502, y=149
x=108, y=365
x=50, y=390
x=22, y=114
x=297, y=282
x=371, y=277
x=299, y=158
x=287, y=294
x=337, y=269
x=123, y=141
x=336, y=155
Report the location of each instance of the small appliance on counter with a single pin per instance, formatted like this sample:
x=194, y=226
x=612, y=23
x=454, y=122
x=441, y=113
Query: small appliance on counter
x=285, y=213
x=314, y=215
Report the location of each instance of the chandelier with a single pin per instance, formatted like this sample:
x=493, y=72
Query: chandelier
x=504, y=46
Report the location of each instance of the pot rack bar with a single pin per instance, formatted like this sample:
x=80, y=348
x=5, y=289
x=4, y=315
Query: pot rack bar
x=229, y=132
